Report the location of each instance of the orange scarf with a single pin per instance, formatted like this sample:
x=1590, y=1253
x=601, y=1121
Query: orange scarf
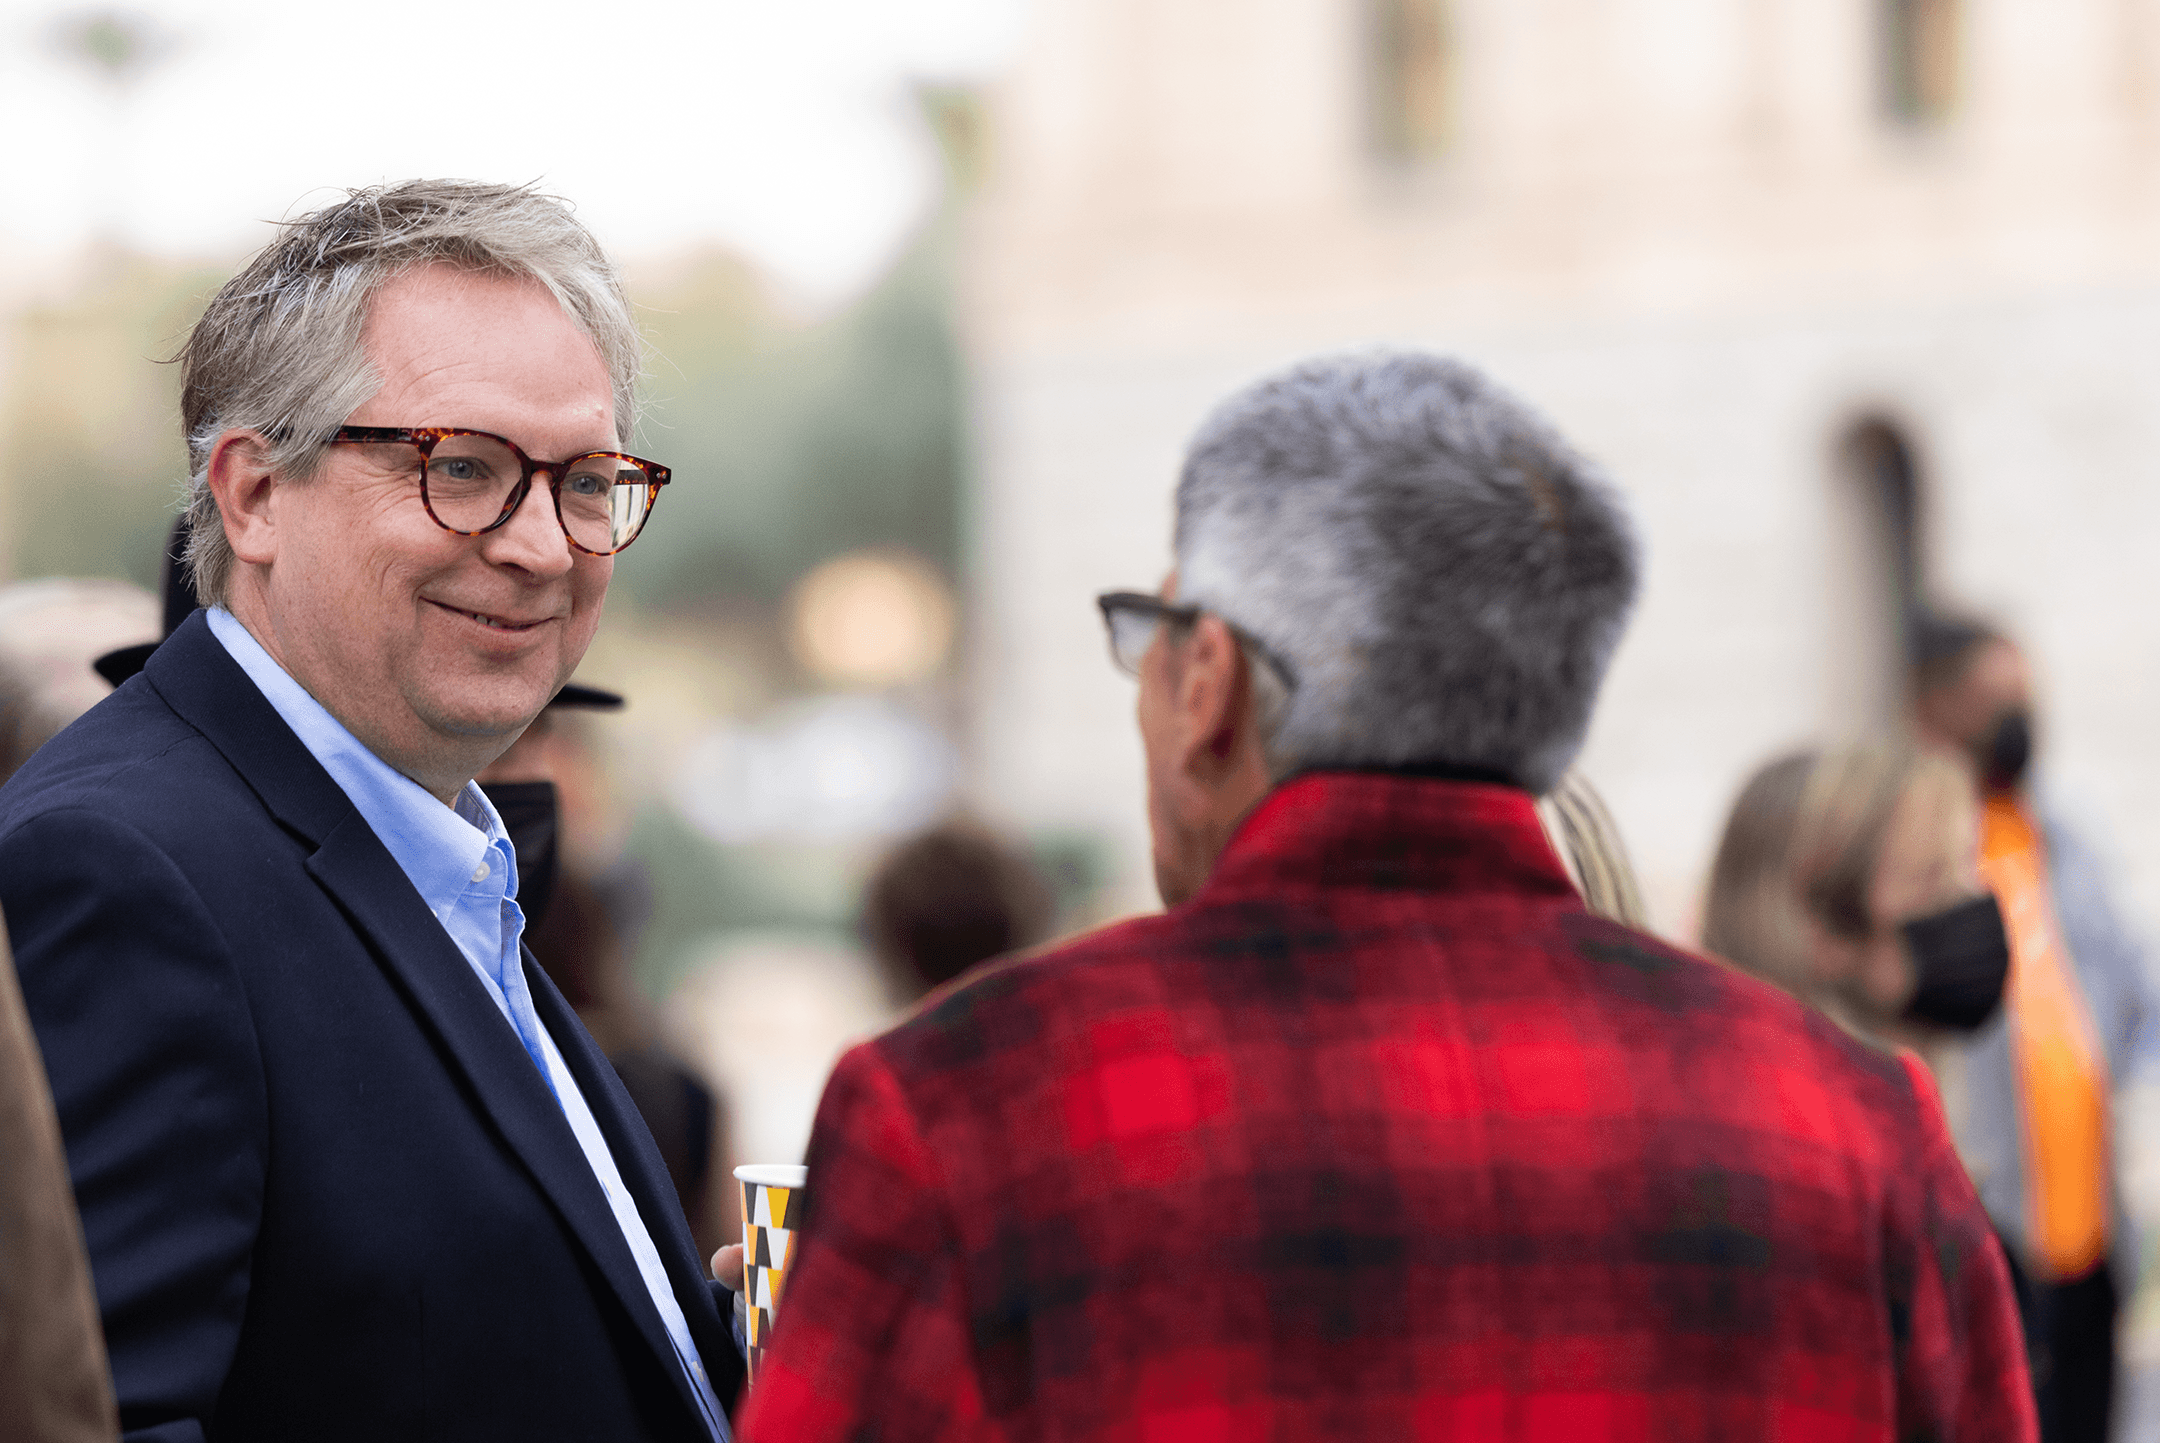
x=2061, y=1071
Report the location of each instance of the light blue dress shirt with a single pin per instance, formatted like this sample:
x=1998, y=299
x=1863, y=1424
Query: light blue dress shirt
x=463, y=866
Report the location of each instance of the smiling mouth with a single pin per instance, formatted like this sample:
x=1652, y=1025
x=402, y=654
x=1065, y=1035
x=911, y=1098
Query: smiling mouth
x=493, y=623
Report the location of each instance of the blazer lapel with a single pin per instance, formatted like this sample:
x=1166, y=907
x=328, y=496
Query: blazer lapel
x=356, y=869
x=646, y=1175
x=198, y=678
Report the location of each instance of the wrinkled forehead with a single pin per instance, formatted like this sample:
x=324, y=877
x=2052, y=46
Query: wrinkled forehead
x=454, y=347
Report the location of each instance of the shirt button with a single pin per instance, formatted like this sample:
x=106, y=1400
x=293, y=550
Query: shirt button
x=480, y=873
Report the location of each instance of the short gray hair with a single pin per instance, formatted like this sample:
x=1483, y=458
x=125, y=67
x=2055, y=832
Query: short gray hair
x=1443, y=577
x=279, y=348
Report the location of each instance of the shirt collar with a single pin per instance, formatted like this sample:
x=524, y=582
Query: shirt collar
x=439, y=848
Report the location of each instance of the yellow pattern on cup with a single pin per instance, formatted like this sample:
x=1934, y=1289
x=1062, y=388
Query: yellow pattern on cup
x=772, y=1201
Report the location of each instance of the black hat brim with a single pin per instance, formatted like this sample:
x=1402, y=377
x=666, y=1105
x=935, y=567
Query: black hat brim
x=118, y=666
x=587, y=698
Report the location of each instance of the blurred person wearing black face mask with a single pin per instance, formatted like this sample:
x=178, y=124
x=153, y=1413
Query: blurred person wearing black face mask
x=1850, y=879
x=2076, y=1027
x=575, y=927
x=1908, y=943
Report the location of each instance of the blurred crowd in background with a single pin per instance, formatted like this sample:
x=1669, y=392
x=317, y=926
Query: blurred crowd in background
x=1859, y=301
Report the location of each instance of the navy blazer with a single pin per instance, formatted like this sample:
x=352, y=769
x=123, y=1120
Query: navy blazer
x=326, y=1193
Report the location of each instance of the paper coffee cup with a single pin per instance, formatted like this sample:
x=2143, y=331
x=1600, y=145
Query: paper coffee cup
x=772, y=1205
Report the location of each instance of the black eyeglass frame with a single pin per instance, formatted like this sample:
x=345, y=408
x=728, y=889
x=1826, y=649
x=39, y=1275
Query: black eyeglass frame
x=1110, y=603
x=425, y=438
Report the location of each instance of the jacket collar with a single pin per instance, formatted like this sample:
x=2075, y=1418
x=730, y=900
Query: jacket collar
x=1389, y=831
x=200, y=681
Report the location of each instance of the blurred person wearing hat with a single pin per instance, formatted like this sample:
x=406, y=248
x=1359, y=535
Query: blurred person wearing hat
x=347, y=1164
x=2080, y=1023
x=54, y=1383
x=1377, y=1131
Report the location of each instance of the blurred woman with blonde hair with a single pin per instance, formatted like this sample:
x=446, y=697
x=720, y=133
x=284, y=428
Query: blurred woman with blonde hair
x=1851, y=879
x=1588, y=841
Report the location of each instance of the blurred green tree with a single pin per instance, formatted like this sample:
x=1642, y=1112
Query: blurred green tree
x=790, y=443
x=94, y=464
x=794, y=444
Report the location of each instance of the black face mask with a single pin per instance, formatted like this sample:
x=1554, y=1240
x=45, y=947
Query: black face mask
x=528, y=812
x=1961, y=958
x=2004, y=750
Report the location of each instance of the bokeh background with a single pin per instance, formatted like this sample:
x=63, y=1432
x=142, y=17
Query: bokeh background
x=1858, y=300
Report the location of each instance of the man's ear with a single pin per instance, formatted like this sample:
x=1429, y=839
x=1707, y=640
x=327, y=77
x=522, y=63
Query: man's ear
x=243, y=481
x=1214, y=697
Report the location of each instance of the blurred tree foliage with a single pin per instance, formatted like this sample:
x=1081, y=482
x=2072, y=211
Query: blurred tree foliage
x=792, y=444
x=700, y=890
x=94, y=462
x=789, y=442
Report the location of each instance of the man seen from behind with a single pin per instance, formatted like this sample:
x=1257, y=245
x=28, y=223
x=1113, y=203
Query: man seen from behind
x=1376, y=1132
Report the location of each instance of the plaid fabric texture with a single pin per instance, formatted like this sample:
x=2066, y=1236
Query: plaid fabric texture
x=1383, y=1137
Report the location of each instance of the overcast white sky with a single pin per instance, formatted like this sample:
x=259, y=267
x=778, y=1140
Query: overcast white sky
x=783, y=130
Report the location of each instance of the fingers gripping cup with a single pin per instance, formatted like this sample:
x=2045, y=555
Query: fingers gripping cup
x=772, y=1206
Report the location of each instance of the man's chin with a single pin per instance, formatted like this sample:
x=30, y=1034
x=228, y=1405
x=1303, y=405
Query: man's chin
x=505, y=719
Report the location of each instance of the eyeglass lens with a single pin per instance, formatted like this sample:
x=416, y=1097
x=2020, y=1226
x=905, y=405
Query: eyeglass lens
x=1131, y=634
x=603, y=499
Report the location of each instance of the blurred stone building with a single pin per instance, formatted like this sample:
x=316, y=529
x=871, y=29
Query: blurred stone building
x=1853, y=297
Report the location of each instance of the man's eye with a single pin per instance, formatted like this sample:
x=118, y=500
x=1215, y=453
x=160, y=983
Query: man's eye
x=588, y=483
x=458, y=468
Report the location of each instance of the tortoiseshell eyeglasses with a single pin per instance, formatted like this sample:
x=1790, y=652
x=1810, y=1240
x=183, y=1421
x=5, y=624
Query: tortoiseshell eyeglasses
x=474, y=481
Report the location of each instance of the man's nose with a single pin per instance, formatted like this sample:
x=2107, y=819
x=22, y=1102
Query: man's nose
x=532, y=538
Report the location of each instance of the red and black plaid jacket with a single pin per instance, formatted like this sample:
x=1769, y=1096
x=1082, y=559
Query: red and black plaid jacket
x=1383, y=1136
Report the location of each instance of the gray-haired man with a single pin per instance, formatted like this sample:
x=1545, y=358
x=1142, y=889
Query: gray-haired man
x=347, y=1165
x=1377, y=1133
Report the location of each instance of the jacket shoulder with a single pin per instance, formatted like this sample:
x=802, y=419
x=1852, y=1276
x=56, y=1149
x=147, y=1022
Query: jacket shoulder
x=1752, y=1017
x=1054, y=966
x=1596, y=977
x=1017, y=1000
x=133, y=760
